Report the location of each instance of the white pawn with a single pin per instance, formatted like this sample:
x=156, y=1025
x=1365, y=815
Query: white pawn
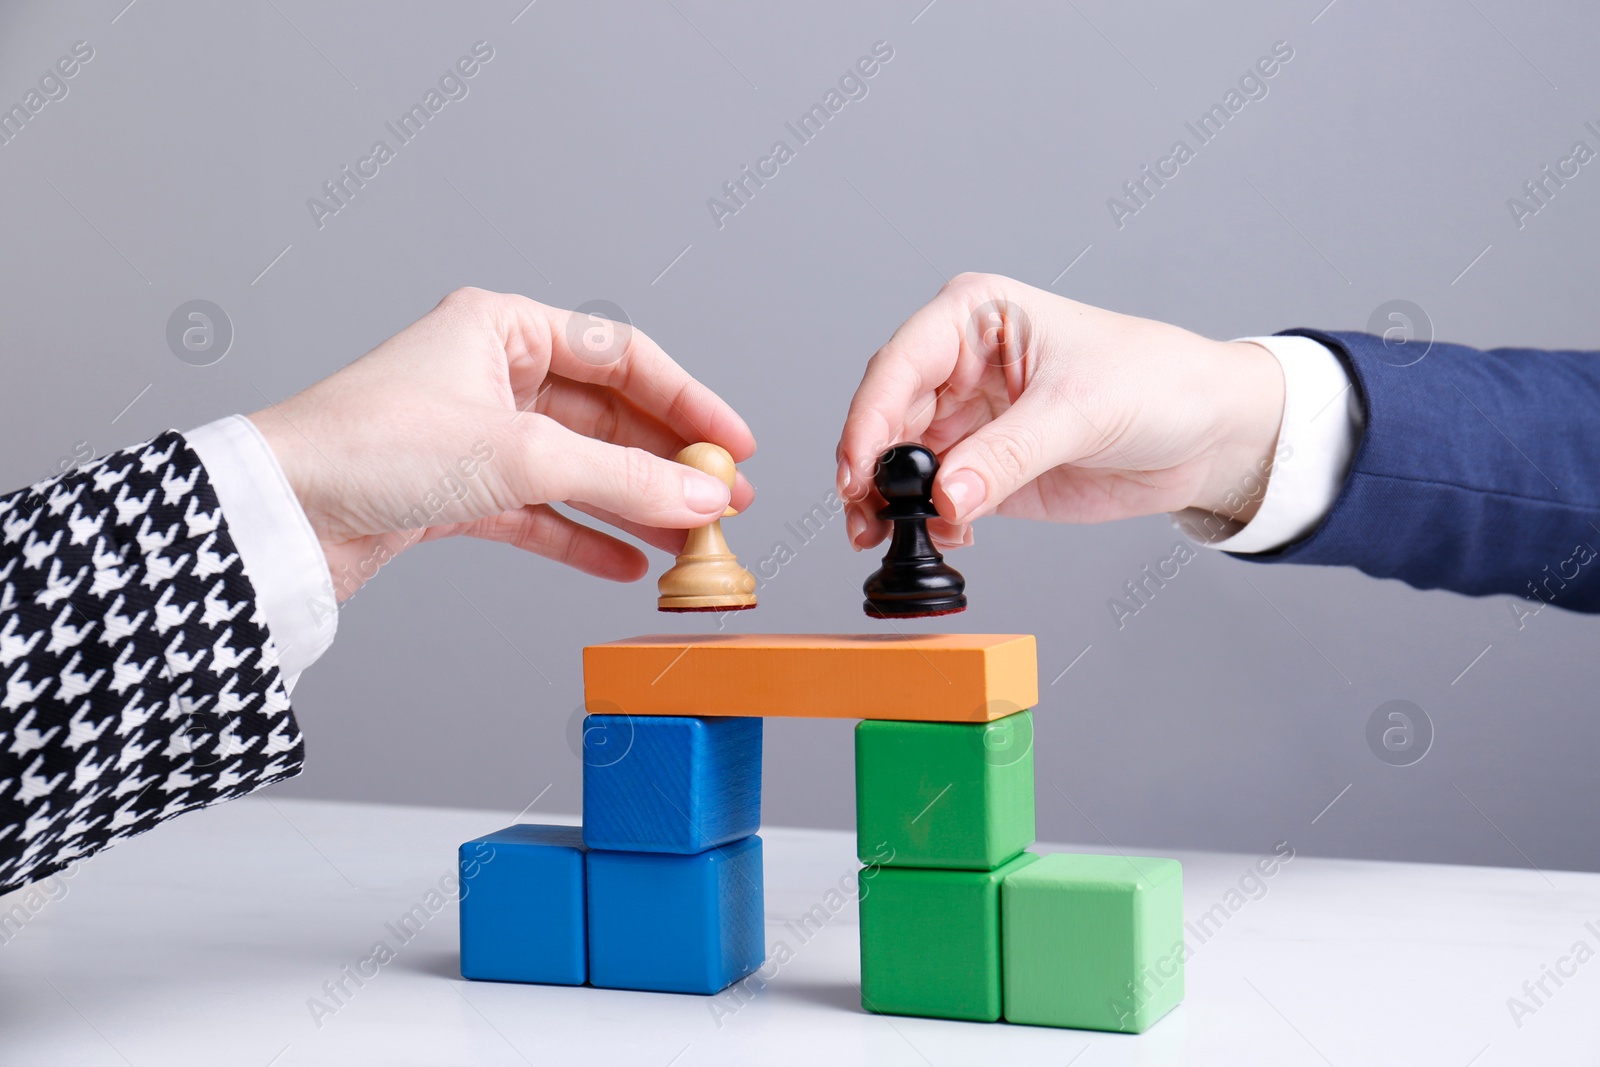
x=707, y=575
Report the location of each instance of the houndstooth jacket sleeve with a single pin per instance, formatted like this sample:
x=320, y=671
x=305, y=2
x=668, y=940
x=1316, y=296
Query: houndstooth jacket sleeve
x=140, y=680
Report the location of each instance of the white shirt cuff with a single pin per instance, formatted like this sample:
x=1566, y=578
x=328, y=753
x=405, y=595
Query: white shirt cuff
x=276, y=545
x=1322, y=423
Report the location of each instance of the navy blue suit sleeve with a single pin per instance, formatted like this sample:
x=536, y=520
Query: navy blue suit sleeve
x=1479, y=472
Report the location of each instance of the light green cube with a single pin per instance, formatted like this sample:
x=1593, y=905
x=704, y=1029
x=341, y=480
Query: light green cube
x=1093, y=942
x=930, y=941
x=941, y=794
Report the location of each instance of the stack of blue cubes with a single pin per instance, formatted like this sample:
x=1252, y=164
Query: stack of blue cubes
x=660, y=889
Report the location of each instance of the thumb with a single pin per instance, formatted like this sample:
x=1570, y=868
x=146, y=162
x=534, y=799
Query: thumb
x=978, y=473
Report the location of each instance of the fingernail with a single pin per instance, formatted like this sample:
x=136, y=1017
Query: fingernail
x=843, y=477
x=704, y=493
x=966, y=492
x=855, y=525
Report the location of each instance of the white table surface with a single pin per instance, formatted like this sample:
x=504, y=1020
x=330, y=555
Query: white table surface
x=203, y=941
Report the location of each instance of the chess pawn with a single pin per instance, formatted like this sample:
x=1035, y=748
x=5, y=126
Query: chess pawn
x=707, y=575
x=914, y=580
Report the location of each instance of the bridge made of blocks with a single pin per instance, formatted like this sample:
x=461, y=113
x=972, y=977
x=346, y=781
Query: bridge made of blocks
x=661, y=887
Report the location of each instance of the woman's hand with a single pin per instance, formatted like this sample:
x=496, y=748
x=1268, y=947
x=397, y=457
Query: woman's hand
x=1043, y=408
x=474, y=419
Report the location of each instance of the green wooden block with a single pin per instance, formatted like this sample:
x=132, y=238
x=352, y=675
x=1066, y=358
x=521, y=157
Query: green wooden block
x=930, y=941
x=942, y=794
x=1093, y=942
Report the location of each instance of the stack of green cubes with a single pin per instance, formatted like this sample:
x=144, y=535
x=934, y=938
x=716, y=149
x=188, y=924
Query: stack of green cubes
x=960, y=921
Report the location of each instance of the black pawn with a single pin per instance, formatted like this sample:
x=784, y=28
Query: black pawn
x=914, y=580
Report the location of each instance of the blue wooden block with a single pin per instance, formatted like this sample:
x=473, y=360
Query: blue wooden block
x=676, y=924
x=670, y=783
x=523, y=906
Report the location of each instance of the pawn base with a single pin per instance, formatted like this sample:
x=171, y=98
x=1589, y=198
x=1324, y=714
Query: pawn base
x=914, y=609
x=917, y=614
x=721, y=602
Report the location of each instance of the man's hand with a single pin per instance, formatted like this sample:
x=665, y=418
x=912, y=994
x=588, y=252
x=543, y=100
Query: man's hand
x=474, y=419
x=1043, y=408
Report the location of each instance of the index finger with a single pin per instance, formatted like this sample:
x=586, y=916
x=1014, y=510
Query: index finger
x=898, y=394
x=617, y=355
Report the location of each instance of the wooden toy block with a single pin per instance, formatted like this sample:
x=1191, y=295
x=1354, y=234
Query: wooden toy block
x=942, y=794
x=522, y=906
x=676, y=924
x=930, y=941
x=670, y=783
x=1093, y=942
x=943, y=677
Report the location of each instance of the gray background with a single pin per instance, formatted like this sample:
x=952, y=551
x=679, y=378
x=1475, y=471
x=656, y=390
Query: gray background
x=1225, y=715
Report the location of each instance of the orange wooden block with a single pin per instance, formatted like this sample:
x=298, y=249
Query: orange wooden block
x=928, y=677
